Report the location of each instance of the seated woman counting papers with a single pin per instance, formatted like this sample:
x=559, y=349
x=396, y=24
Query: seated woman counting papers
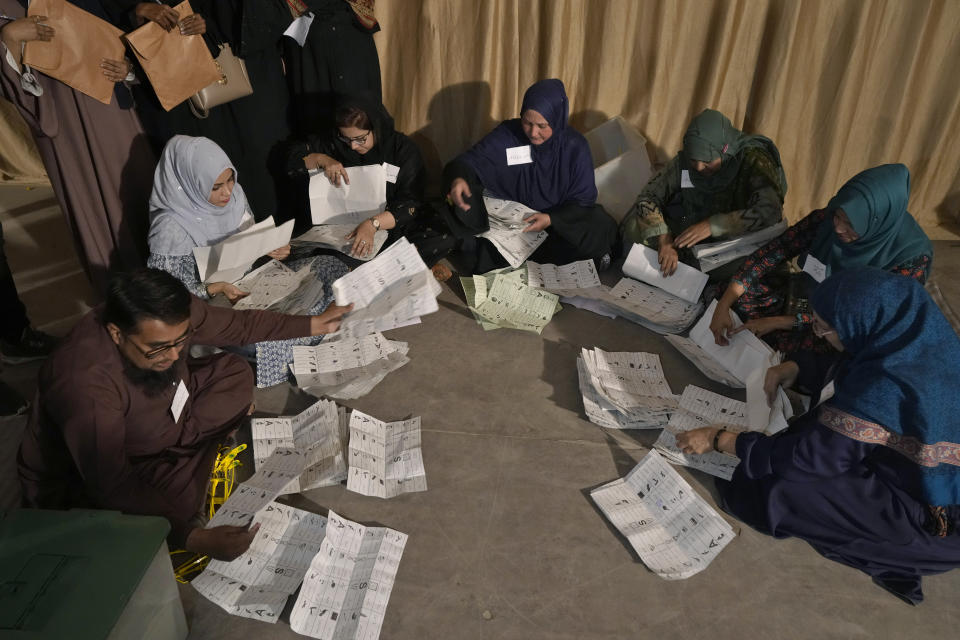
x=364, y=135
x=865, y=224
x=870, y=475
x=197, y=202
x=722, y=185
x=540, y=162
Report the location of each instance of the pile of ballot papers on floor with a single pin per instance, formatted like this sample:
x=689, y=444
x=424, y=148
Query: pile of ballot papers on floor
x=624, y=390
x=503, y=299
x=347, y=368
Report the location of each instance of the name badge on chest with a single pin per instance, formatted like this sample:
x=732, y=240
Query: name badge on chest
x=179, y=401
x=519, y=155
x=816, y=269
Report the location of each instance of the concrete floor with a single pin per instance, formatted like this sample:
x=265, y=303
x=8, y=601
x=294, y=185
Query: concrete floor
x=506, y=543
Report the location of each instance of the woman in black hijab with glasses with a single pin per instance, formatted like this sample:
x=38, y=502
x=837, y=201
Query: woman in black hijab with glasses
x=363, y=134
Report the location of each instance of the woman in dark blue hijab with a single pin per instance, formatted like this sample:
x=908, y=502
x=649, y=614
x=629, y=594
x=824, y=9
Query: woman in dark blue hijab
x=539, y=161
x=870, y=476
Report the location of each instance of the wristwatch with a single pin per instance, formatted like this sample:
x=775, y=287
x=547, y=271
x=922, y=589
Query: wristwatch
x=375, y=223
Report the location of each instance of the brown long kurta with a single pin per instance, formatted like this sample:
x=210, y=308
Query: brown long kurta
x=95, y=439
x=99, y=163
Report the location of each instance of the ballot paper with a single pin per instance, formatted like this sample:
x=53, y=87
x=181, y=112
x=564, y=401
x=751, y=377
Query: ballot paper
x=761, y=415
x=506, y=231
x=260, y=489
x=624, y=390
x=715, y=254
x=701, y=408
x=500, y=299
x=347, y=587
x=315, y=431
x=334, y=236
x=363, y=198
x=392, y=290
x=673, y=530
x=347, y=368
x=648, y=306
x=278, y=288
x=257, y=584
x=686, y=282
x=227, y=261
x=565, y=280
x=731, y=364
x=385, y=458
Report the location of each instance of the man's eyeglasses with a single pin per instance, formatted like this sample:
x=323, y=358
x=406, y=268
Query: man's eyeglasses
x=360, y=140
x=159, y=351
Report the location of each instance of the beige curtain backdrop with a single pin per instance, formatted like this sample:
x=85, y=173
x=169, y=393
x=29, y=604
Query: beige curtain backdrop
x=839, y=85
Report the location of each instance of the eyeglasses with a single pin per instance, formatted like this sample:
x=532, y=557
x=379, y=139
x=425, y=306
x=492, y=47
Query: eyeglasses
x=360, y=140
x=159, y=351
x=821, y=329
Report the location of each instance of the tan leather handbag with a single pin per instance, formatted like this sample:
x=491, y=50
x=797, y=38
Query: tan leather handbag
x=233, y=83
x=177, y=66
x=73, y=55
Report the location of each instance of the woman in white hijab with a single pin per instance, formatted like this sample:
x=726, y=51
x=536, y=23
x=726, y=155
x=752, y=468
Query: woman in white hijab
x=196, y=202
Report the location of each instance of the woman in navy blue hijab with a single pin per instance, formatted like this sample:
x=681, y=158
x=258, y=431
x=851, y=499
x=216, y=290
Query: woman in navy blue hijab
x=870, y=476
x=539, y=161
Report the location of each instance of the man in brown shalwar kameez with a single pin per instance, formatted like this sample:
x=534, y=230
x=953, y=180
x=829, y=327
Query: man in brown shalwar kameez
x=126, y=420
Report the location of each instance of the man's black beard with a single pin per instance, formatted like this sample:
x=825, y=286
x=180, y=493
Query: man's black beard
x=152, y=382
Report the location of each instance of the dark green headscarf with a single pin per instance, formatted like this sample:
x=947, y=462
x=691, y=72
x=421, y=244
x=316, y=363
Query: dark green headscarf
x=875, y=201
x=711, y=135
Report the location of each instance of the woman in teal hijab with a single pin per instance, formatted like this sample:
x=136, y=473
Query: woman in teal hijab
x=723, y=184
x=865, y=225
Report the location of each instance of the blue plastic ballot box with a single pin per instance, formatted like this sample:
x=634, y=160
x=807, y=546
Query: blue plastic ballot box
x=85, y=574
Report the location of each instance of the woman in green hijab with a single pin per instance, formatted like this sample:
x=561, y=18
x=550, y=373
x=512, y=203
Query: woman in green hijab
x=865, y=225
x=723, y=184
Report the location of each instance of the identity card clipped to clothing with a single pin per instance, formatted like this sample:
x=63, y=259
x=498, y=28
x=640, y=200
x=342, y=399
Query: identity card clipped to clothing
x=227, y=261
x=364, y=197
x=686, y=282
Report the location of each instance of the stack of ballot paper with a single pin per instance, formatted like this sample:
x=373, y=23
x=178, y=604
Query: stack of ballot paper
x=715, y=254
x=501, y=299
x=686, y=282
x=731, y=364
x=392, y=290
x=506, y=231
x=673, y=530
x=349, y=204
x=334, y=236
x=347, y=368
x=315, y=431
x=385, y=457
x=278, y=288
x=347, y=587
x=648, y=306
x=702, y=408
x=230, y=259
x=347, y=571
x=624, y=390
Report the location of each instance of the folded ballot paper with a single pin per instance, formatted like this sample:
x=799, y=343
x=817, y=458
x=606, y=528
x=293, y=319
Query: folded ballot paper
x=566, y=280
x=392, y=290
x=276, y=287
x=316, y=431
x=349, y=204
x=675, y=532
x=716, y=254
x=347, y=368
x=227, y=261
x=686, y=282
x=334, y=236
x=624, y=390
x=502, y=299
x=347, y=571
x=385, y=457
x=731, y=364
x=506, y=231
